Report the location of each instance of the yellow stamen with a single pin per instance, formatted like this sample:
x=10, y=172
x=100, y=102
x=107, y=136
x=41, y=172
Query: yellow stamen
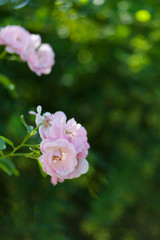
x=69, y=133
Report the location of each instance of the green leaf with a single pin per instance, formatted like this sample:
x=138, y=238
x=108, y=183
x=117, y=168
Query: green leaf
x=1, y=153
x=8, y=167
x=2, y=144
x=28, y=127
x=6, y=140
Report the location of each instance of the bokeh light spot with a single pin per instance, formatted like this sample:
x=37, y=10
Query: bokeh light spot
x=143, y=16
x=84, y=56
x=67, y=80
x=84, y=1
x=62, y=31
x=98, y=2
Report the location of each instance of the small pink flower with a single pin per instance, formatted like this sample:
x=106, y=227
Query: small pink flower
x=32, y=44
x=64, y=146
x=40, y=57
x=14, y=37
x=81, y=168
x=70, y=130
x=51, y=124
x=58, y=158
x=42, y=60
x=55, y=126
x=77, y=135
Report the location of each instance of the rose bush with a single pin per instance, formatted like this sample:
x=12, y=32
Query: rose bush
x=64, y=146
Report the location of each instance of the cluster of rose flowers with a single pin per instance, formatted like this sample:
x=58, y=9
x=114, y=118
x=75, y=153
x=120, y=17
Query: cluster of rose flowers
x=64, y=146
x=40, y=57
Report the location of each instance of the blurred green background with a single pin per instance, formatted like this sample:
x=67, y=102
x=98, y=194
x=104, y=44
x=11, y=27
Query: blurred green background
x=106, y=76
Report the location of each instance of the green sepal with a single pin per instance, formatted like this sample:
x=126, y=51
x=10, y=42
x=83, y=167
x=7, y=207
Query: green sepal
x=28, y=127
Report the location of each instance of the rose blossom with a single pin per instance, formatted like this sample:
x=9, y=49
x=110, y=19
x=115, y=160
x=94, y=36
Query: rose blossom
x=81, y=168
x=77, y=134
x=14, y=37
x=32, y=44
x=59, y=162
x=58, y=158
x=50, y=124
x=40, y=57
x=55, y=126
x=42, y=60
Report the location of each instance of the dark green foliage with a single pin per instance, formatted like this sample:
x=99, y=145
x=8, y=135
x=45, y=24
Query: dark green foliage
x=6, y=140
x=107, y=76
x=2, y=144
x=7, y=166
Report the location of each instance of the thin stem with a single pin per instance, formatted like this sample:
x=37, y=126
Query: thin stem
x=19, y=155
x=24, y=155
x=9, y=58
x=26, y=138
x=34, y=146
x=12, y=58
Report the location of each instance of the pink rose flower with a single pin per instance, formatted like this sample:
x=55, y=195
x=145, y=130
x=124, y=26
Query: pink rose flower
x=70, y=130
x=58, y=158
x=55, y=126
x=51, y=127
x=32, y=44
x=64, y=146
x=77, y=135
x=40, y=57
x=42, y=60
x=60, y=161
x=81, y=168
x=14, y=37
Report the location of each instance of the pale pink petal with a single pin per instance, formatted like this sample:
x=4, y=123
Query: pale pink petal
x=55, y=179
x=32, y=44
x=81, y=168
x=42, y=60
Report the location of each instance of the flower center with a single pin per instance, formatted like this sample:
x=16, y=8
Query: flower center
x=58, y=156
x=69, y=133
x=46, y=122
x=18, y=39
x=55, y=158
